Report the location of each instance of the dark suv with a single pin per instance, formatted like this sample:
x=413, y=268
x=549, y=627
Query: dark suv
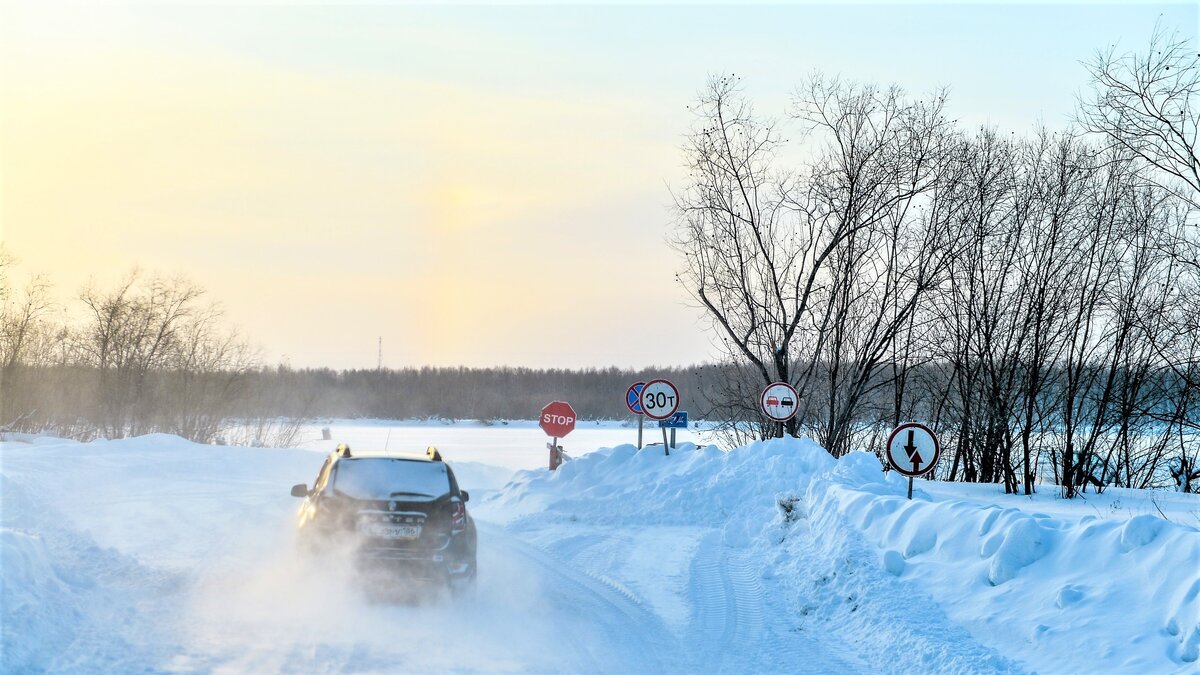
x=404, y=516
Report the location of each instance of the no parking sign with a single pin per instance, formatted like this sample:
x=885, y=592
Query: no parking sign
x=633, y=397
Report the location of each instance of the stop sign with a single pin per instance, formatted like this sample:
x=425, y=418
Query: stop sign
x=558, y=419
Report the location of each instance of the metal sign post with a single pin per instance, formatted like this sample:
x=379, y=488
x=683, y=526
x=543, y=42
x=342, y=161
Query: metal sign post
x=659, y=400
x=912, y=450
x=677, y=421
x=557, y=420
x=633, y=401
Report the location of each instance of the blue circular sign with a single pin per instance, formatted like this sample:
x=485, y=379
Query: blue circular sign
x=633, y=398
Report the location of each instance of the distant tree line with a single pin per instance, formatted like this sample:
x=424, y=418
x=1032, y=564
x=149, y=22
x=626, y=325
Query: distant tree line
x=1034, y=299
x=152, y=355
x=487, y=394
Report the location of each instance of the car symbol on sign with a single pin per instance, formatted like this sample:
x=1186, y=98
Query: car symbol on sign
x=787, y=403
x=771, y=400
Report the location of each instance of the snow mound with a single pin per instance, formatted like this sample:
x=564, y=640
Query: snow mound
x=36, y=601
x=1071, y=594
x=626, y=485
x=757, y=500
x=67, y=603
x=1062, y=594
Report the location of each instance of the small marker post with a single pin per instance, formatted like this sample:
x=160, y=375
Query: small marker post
x=914, y=457
x=633, y=401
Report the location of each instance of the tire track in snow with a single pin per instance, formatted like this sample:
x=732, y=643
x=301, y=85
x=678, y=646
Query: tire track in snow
x=727, y=609
x=627, y=631
x=730, y=629
x=714, y=612
x=587, y=555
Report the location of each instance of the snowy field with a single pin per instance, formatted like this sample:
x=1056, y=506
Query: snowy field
x=155, y=554
x=510, y=445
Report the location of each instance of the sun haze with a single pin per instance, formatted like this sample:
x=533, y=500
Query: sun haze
x=473, y=185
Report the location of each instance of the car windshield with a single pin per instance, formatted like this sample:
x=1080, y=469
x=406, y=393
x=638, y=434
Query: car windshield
x=385, y=477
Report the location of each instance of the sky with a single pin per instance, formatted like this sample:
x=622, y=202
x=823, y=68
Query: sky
x=476, y=185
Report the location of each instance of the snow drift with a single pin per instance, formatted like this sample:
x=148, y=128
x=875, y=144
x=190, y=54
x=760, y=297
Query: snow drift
x=1076, y=593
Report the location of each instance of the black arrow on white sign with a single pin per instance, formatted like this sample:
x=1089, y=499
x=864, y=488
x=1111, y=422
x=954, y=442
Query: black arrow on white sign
x=913, y=455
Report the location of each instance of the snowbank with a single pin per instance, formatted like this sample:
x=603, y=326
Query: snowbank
x=1066, y=593
x=1075, y=594
x=67, y=603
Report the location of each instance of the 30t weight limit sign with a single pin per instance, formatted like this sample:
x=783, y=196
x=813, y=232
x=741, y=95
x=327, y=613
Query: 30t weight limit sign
x=659, y=399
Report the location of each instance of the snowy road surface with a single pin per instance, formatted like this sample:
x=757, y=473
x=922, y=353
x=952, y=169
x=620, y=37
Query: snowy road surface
x=153, y=554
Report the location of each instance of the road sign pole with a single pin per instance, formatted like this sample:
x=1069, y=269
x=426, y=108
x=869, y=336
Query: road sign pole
x=916, y=465
x=633, y=397
x=666, y=448
x=672, y=437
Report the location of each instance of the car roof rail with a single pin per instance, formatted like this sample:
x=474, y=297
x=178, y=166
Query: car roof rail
x=343, y=450
x=433, y=454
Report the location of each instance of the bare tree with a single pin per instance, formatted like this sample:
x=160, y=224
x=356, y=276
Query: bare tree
x=25, y=338
x=748, y=260
x=811, y=276
x=205, y=377
x=1145, y=105
x=161, y=359
x=883, y=158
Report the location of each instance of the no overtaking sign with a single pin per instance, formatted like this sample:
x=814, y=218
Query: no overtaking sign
x=778, y=401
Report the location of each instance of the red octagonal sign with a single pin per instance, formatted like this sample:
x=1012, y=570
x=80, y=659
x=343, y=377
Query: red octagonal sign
x=558, y=419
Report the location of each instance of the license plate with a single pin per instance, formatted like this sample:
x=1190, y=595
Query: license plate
x=390, y=530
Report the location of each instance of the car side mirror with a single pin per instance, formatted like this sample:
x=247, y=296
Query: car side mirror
x=300, y=490
x=466, y=496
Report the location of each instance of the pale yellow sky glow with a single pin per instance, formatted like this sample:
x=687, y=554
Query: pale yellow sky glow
x=478, y=186
x=324, y=209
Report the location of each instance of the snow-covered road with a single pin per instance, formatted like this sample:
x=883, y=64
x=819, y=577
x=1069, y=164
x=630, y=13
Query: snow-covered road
x=154, y=554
